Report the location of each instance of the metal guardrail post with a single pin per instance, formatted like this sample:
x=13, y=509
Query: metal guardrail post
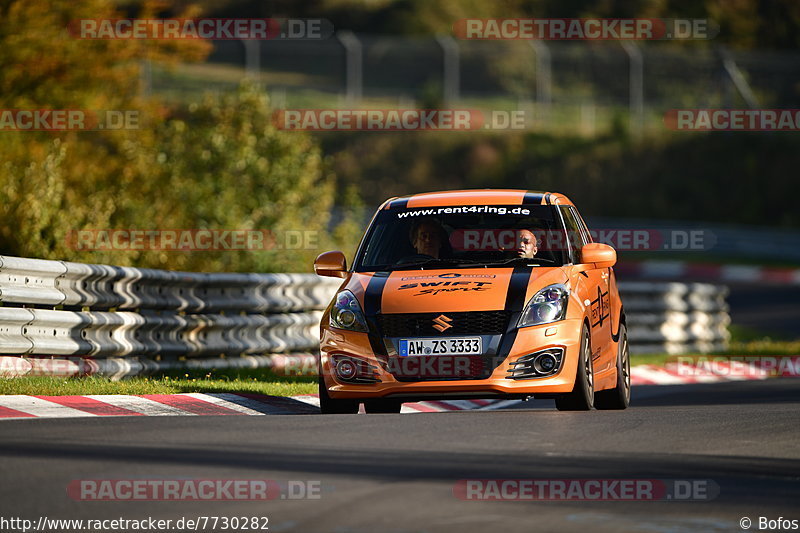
x=451, y=69
x=146, y=77
x=636, y=76
x=354, y=64
x=738, y=79
x=544, y=80
x=252, y=58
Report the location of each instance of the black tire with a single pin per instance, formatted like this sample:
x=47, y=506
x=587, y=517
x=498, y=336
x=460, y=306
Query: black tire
x=620, y=396
x=331, y=406
x=382, y=406
x=582, y=396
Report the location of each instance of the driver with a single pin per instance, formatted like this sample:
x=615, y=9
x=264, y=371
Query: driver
x=428, y=237
x=525, y=244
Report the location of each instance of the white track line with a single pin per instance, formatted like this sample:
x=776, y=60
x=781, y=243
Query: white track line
x=254, y=405
x=219, y=400
x=307, y=398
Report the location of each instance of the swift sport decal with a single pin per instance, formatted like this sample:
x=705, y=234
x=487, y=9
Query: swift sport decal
x=474, y=289
x=435, y=287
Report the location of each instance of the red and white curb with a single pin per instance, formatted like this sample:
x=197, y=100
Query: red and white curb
x=709, y=271
x=230, y=404
x=194, y=404
x=189, y=404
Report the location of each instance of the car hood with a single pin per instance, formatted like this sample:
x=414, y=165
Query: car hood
x=428, y=291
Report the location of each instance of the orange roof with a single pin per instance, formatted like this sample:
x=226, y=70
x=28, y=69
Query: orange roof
x=477, y=197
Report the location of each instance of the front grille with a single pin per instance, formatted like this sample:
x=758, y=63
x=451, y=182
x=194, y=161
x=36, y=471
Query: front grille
x=422, y=324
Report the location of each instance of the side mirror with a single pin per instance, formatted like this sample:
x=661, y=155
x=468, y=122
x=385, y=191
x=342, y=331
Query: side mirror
x=599, y=255
x=332, y=264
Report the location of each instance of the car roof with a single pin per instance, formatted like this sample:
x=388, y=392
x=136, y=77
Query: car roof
x=477, y=197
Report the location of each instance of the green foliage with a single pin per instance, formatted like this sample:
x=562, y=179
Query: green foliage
x=214, y=164
x=35, y=203
x=222, y=164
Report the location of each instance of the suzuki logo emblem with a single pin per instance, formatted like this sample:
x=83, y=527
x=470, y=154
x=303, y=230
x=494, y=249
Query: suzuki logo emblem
x=442, y=322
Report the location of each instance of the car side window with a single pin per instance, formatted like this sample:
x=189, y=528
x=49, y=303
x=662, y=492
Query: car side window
x=577, y=236
x=587, y=237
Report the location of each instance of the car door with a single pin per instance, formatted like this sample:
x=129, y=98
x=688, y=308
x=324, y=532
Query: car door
x=597, y=298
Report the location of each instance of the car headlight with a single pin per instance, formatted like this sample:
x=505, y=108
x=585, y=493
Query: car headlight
x=547, y=305
x=346, y=313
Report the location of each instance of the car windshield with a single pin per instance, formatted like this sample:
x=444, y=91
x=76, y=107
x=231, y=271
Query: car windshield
x=463, y=237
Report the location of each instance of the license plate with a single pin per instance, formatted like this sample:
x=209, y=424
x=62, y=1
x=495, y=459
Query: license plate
x=441, y=346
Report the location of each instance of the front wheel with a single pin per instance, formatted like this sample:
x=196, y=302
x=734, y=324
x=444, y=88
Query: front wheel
x=331, y=406
x=620, y=396
x=582, y=396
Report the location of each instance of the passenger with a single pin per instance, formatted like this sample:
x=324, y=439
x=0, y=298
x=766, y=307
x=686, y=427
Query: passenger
x=428, y=237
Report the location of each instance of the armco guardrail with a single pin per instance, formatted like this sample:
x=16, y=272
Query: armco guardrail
x=676, y=317
x=125, y=321
x=55, y=308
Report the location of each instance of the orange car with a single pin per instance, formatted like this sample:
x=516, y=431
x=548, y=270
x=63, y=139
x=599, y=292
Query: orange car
x=474, y=294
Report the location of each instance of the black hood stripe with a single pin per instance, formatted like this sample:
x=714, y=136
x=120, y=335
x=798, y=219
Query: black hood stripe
x=400, y=203
x=374, y=293
x=372, y=307
x=517, y=287
x=532, y=198
x=515, y=303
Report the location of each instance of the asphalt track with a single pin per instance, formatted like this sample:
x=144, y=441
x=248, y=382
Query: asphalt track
x=396, y=473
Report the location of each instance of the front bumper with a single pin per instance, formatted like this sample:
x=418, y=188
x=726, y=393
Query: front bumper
x=564, y=334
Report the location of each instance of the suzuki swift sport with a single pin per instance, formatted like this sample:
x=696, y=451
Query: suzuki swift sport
x=474, y=295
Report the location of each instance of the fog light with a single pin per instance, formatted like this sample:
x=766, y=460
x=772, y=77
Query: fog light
x=346, y=369
x=545, y=363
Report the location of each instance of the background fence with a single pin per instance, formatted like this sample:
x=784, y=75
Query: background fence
x=585, y=85
x=68, y=318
